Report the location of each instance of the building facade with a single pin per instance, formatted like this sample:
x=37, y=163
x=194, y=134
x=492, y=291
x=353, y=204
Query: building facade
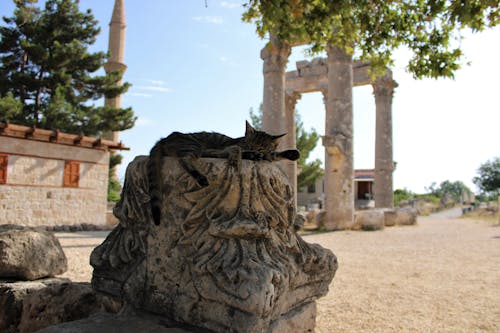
x=50, y=178
x=314, y=195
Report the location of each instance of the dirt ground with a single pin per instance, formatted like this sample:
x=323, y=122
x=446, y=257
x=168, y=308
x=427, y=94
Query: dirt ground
x=441, y=275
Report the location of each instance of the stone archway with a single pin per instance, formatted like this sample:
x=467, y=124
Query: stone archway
x=334, y=76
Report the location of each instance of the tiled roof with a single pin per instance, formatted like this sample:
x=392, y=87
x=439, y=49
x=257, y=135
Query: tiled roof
x=364, y=174
x=38, y=134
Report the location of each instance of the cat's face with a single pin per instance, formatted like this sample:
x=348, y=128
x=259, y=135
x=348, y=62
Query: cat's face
x=260, y=141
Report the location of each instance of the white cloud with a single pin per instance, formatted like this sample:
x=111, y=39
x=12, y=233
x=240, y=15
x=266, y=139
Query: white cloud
x=154, y=88
x=157, y=82
x=141, y=95
x=229, y=4
x=209, y=19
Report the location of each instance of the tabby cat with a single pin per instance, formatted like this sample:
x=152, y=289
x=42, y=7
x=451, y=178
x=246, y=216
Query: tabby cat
x=255, y=145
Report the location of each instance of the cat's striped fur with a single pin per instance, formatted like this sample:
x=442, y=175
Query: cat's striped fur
x=255, y=145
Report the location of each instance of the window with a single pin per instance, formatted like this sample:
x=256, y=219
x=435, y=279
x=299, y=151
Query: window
x=71, y=173
x=4, y=161
x=311, y=188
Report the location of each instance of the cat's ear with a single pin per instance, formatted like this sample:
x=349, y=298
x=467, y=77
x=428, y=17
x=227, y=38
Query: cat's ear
x=249, y=129
x=278, y=137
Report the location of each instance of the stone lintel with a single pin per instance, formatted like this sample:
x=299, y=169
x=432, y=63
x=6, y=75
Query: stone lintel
x=312, y=76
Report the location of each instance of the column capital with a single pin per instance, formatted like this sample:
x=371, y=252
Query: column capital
x=275, y=55
x=291, y=99
x=384, y=85
x=338, y=54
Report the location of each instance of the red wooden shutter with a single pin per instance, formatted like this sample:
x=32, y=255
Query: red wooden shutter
x=71, y=173
x=4, y=161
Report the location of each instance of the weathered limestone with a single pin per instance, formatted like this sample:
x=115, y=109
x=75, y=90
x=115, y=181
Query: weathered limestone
x=401, y=216
x=276, y=116
x=383, y=89
x=339, y=172
x=29, y=306
x=290, y=140
x=369, y=220
x=28, y=254
x=312, y=76
x=318, y=75
x=225, y=257
x=106, y=323
x=11, y=300
x=62, y=302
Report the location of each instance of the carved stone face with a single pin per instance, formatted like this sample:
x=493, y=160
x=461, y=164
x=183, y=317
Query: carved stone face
x=226, y=258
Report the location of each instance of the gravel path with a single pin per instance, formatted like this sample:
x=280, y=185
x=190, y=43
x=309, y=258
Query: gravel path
x=442, y=275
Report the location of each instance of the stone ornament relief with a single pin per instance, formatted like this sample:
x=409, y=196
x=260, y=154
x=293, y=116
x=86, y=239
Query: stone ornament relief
x=225, y=257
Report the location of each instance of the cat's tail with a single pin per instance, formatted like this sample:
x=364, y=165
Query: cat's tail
x=155, y=182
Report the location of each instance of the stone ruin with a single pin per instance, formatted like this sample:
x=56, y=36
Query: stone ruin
x=225, y=258
x=31, y=297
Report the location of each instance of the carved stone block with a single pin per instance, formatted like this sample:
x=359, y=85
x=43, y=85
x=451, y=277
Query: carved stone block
x=225, y=257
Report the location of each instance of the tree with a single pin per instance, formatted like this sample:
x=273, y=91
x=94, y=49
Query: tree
x=46, y=66
x=488, y=179
x=449, y=189
x=371, y=30
x=306, y=142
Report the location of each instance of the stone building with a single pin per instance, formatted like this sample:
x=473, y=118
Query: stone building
x=51, y=178
x=313, y=196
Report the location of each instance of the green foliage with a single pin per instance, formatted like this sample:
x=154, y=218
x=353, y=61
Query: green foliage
x=46, y=66
x=310, y=172
x=306, y=142
x=9, y=107
x=402, y=195
x=114, y=187
x=114, y=190
x=488, y=178
x=256, y=118
x=373, y=29
x=448, y=189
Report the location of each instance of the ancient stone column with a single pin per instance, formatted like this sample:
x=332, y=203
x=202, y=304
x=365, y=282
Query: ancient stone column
x=290, y=140
x=339, y=173
x=274, y=113
x=383, y=89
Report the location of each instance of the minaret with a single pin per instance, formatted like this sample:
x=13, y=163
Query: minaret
x=116, y=49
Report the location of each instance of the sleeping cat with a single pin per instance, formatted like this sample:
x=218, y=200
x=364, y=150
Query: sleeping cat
x=255, y=145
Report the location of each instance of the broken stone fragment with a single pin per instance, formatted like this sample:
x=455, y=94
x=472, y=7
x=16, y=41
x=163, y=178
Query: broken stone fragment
x=29, y=254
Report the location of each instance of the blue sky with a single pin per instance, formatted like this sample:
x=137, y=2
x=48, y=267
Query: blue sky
x=195, y=68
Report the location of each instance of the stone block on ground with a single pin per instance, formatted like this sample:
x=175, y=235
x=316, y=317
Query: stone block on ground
x=406, y=216
x=29, y=254
x=390, y=217
x=106, y=323
x=12, y=295
x=401, y=216
x=369, y=220
x=225, y=257
x=28, y=306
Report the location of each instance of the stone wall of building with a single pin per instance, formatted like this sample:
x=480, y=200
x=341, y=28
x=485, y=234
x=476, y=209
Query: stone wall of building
x=34, y=193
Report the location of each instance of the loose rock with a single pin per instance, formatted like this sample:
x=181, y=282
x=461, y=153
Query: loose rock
x=29, y=254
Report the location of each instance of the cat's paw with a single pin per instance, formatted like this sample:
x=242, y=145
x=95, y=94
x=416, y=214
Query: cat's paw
x=253, y=155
